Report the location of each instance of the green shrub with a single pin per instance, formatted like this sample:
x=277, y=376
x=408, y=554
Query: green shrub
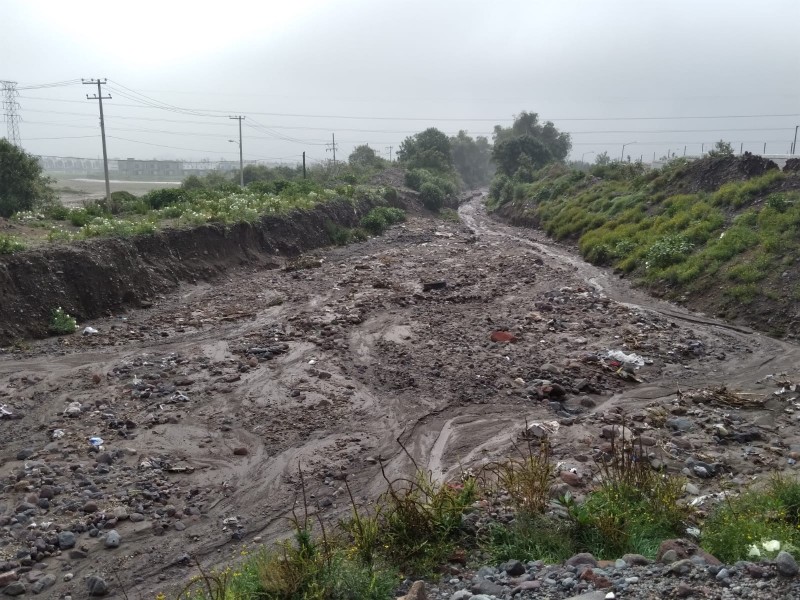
x=390, y=194
x=378, y=219
x=61, y=323
x=432, y=196
x=634, y=509
x=752, y=518
x=532, y=537
x=56, y=211
x=163, y=197
x=667, y=251
x=10, y=244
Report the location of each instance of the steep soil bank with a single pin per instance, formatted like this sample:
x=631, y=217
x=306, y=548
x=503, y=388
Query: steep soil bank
x=89, y=279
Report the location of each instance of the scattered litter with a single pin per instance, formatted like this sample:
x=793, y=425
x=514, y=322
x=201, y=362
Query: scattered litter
x=720, y=395
x=230, y=522
x=631, y=358
x=58, y=434
x=73, y=410
x=89, y=331
x=96, y=441
x=540, y=430
x=503, y=336
x=5, y=413
x=313, y=361
x=179, y=397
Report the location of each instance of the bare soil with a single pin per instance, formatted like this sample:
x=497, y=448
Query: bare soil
x=210, y=400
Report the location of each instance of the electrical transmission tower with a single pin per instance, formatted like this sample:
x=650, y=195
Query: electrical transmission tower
x=10, y=110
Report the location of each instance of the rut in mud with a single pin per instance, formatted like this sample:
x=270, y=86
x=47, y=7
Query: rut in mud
x=210, y=401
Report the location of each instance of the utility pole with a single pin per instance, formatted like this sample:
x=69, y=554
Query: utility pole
x=304, y=165
x=389, y=148
x=332, y=148
x=240, y=118
x=794, y=143
x=99, y=97
x=10, y=108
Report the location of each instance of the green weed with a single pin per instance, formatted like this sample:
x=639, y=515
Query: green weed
x=742, y=522
x=61, y=322
x=10, y=244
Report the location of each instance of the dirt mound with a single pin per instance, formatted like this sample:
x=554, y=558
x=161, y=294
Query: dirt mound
x=394, y=176
x=708, y=174
x=89, y=279
x=792, y=165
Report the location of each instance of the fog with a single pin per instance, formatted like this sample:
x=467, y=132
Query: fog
x=661, y=77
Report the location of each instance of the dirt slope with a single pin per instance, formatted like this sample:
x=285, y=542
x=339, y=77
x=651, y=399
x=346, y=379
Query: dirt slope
x=209, y=401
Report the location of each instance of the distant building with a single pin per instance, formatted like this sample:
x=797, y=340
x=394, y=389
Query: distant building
x=149, y=169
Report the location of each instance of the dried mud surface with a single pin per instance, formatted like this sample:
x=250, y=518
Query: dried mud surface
x=209, y=400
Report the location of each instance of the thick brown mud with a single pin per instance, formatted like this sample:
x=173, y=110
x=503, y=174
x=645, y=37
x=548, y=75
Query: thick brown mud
x=211, y=401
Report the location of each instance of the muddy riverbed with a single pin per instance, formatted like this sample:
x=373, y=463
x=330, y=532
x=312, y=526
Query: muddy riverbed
x=208, y=402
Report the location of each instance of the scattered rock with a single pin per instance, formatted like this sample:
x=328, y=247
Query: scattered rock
x=97, y=585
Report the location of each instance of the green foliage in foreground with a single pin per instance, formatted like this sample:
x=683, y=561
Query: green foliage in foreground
x=420, y=524
x=742, y=527
x=624, y=217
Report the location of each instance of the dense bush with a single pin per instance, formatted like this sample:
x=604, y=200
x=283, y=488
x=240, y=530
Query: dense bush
x=432, y=196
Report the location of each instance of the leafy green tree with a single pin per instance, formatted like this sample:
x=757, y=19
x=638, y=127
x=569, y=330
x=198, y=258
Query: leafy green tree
x=363, y=156
x=22, y=184
x=472, y=158
x=520, y=156
x=602, y=159
x=721, y=148
x=429, y=149
x=558, y=143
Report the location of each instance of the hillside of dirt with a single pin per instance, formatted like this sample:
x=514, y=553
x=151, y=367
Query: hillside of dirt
x=97, y=277
x=181, y=425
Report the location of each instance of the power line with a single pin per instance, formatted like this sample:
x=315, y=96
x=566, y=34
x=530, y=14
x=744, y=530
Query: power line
x=208, y=112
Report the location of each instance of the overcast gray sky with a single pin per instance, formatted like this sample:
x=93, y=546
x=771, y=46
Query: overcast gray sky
x=370, y=71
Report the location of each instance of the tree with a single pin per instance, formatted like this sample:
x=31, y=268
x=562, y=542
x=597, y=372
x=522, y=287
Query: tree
x=472, y=159
x=22, y=184
x=721, y=148
x=602, y=159
x=429, y=149
x=363, y=156
x=527, y=124
x=520, y=156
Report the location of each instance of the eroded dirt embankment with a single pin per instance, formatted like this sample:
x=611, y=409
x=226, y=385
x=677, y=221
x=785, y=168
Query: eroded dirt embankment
x=90, y=279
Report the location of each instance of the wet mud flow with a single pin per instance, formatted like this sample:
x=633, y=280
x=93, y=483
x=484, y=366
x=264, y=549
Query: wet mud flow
x=209, y=402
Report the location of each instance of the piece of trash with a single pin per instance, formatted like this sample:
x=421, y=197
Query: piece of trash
x=541, y=429
x=230, y=521
x=313, y=361
x=503, y=336
x=4, y=412
x=89, y=331
x=96, y=441
x=631, y=358
x=58, y=434
x=73, y=410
